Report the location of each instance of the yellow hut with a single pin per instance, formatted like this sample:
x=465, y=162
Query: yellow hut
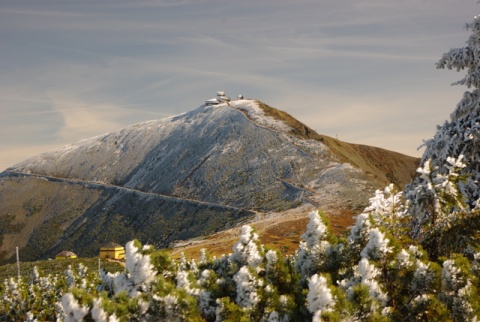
x=65, y=254
x=112, y=251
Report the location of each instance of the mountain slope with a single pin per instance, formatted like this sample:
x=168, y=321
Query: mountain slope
x=184, y=176
x=387, y=166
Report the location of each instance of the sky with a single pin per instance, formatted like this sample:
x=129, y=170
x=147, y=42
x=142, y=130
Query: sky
x=362, y=71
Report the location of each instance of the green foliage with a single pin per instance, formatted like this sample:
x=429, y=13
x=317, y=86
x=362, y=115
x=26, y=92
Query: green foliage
x=229, y=311
x=458, y=235
x=403, y=283
x=376, y=274
x=363, y=305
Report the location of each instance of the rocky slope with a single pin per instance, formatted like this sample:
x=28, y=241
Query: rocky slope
x=184, y=176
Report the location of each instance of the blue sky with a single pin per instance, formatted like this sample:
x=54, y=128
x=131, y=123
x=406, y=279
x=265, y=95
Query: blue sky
x=359, y=70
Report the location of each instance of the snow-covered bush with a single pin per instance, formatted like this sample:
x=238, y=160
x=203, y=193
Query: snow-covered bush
x=458, y=290
x=72, y=311
x=377, y=246
x=247, y=288
x=138, y=273
x=391, y=278
x=319, y=250
x=320, y=298
x=247, y=250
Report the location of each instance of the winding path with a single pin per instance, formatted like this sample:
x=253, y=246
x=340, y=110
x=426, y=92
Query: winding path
x=101, y=185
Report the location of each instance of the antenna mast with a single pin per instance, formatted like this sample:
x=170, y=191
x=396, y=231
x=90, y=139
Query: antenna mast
x=18, y=264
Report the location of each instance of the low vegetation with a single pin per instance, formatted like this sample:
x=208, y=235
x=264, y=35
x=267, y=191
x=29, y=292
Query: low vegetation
x=376, y=273
x=56, y=267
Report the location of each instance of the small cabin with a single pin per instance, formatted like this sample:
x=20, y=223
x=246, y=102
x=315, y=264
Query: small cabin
x=66, y=254
x=112, y=251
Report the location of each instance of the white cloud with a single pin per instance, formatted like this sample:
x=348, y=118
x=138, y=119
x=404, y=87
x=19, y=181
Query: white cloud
x=83, y=121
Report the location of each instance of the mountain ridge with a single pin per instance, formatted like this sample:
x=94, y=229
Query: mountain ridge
x=343, y=148
x=184, y=176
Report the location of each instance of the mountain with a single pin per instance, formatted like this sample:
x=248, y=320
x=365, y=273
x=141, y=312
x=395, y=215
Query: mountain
x=185, y=176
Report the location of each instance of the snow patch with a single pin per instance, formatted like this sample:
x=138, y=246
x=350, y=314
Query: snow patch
x=256, y=114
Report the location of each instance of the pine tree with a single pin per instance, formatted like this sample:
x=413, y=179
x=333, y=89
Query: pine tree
x=445, y=194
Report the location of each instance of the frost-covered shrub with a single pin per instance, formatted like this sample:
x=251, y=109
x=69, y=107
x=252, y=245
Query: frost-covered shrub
x=229, y=311
x=138, y=267
x=320, y=298
x=72, y=311
x=436, y=196
x=369, y=277
x=272, y=258
x=99, y=314
x=388, y=209
x=458, y=292
x=247, y=288
x=377, y=246
x=247, y=250
x=138, y=275
x=365, y=290
x=183, y=282
x=316, y=230
x=316, y=253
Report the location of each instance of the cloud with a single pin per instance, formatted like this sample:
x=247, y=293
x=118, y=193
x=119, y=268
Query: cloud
x=81, y=120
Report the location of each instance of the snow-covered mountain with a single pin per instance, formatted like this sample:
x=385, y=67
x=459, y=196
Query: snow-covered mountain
x=184, y=176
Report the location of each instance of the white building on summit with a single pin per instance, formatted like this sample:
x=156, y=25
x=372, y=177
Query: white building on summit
x=221, y=98
x=212, y=101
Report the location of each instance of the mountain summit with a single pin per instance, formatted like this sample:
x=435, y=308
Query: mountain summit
x=184, y=176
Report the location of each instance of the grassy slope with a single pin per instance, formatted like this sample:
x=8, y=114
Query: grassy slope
x=384, y=165
x=33, y=216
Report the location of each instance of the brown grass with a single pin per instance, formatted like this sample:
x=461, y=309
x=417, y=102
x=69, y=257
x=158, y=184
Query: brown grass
x=384, y=165
x=281, y=232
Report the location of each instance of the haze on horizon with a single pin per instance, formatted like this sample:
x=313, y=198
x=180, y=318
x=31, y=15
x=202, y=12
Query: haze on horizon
x=361, y=71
